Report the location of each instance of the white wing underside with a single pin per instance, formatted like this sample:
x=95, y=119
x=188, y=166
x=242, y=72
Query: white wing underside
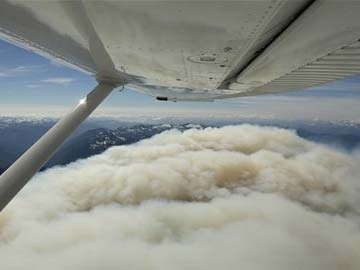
x=194, y=50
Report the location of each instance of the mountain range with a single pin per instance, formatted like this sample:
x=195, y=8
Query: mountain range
x=95, y=137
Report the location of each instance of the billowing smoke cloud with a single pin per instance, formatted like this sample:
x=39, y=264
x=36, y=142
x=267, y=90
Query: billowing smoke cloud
x=240, y=197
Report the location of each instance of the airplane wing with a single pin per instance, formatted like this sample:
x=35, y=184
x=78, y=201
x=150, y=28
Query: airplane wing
x=194, y=50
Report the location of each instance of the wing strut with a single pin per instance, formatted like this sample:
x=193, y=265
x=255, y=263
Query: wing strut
x=21, y=171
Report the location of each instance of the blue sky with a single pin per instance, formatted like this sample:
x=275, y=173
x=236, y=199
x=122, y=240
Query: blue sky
x=30, y=84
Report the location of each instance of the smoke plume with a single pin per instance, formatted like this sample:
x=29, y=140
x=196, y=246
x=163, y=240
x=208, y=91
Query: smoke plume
x=237, y=197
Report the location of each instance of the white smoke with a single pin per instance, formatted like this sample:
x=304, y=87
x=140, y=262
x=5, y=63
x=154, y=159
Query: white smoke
x=237, y=197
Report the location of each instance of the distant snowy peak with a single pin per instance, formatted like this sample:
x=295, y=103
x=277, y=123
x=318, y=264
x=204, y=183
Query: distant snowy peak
x=189, y=126
x=104, y=138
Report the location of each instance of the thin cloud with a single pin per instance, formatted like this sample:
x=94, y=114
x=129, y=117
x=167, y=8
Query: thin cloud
x=59, y=80
x=15, y=71
x=33, y=85
x=21, y=69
